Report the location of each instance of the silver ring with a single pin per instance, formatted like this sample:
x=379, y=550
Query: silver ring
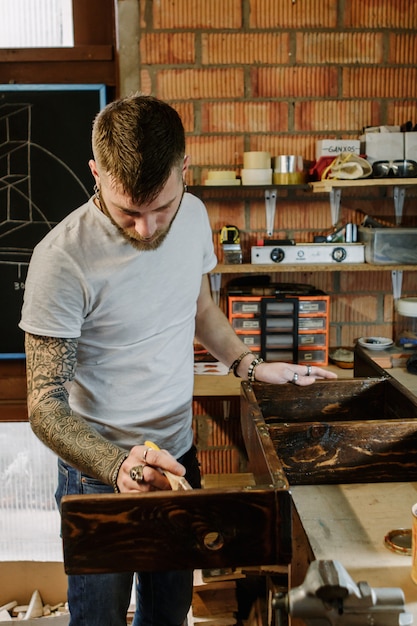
x=308, y=370
x=294, y=378
x=145, y=454
x=136, y=474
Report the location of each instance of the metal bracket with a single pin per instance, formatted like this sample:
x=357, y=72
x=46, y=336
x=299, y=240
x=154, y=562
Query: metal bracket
x=270, y=205
x=397, y=281
x=215, y=282
x=335, y=195
x=399, y=196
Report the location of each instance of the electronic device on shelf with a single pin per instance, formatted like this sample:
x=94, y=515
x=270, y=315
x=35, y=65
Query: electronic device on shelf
x=308, y=253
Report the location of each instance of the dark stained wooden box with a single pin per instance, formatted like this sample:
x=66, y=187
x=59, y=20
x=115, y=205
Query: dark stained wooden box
x=344, y=431
x=202, y=528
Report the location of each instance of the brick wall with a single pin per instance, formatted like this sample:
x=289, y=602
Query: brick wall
x=277, y=75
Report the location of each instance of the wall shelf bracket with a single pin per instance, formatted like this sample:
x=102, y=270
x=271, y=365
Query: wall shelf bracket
x=335, y=196
x=270, y=205
x=215, y=283
x=397, y=282
x=399, y=196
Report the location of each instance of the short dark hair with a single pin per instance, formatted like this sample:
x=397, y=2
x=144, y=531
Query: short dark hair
x=139, y=140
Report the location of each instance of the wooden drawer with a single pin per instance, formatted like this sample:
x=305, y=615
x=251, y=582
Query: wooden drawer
x=344, y=431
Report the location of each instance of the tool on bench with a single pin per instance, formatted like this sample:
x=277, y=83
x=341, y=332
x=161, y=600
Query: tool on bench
x=178, y=483
x=328, y=595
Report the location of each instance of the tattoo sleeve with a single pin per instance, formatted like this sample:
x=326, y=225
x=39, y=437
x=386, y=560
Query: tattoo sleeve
x=50, y=364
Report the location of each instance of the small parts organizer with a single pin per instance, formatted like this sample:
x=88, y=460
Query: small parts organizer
x=289, y=328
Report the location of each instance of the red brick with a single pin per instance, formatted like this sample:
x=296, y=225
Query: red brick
x=167, y=48
x=409, y=287
x=249, y=117
x=379, y=82
x=145, y=82
x=380, y=14
x=186, y=112
x=190, y=14
x=336, y=115
x=339, y=47
x=226, y=213
x=285, y=82
x=219, y=150
x=354, y=308
x=198, y=83
x=245, y=48
x=224, y=461
x=298, y=14
x=388, y=310
x=402, y=49
x=290, y=143
x=365, y=282
x=350, y=334
x=399, y=111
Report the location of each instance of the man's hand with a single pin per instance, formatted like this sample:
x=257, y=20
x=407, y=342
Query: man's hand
x=279, y=373
x=148, y=465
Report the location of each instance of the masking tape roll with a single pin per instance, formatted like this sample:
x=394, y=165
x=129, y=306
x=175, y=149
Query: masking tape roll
x=256, y=176
x=220, y=175
x=223, y=181
x=256, y=160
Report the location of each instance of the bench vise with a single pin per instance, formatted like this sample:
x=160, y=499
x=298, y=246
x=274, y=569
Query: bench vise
x=328, y=595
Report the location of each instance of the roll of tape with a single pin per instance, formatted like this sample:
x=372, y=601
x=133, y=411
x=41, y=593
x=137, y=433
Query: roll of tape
x=220, y=175
x=287, y=164
x=256, y=176
x=256, y=160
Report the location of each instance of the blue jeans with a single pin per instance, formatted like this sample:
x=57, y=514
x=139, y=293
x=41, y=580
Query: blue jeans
x=162, y=598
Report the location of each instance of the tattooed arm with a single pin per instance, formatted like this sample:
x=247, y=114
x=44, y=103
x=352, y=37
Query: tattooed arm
x=51, y=364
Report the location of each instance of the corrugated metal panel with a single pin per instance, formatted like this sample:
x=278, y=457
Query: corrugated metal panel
x=36, y=24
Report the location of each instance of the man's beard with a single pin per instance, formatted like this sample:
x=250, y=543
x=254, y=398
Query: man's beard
x=138, y=242
x=132, y=237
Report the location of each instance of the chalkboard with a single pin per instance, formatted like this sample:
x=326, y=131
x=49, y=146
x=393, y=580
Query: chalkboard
x=45, y=146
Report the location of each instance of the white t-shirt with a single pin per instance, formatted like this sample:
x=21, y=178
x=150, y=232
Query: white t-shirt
x=133, y=314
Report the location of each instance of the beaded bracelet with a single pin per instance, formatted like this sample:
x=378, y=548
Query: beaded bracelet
x=236, y=363
x=251, y=369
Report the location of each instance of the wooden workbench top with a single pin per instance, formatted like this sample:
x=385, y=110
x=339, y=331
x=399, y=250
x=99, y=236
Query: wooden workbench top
x=229, y=385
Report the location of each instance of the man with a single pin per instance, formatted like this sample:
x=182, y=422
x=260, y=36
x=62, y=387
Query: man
x=115, y=295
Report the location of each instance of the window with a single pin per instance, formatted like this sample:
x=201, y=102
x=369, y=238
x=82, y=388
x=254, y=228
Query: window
x=59, y=41
x=39, y=24
x=29, y=516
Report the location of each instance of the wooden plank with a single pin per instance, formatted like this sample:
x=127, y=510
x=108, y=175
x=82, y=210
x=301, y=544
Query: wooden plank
x=171, y=530
x=335, y=400
x=263, y=461
x=324, y=186
x=78, y=53
x=13, y=411
x=253, y=268
x=347, y=452
x=219, y=481
x=215, y=600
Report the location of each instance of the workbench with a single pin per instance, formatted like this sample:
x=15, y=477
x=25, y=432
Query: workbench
x=349, y=522
x=346, y=522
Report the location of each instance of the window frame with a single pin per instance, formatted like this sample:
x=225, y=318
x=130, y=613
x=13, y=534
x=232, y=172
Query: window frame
x=93, y=59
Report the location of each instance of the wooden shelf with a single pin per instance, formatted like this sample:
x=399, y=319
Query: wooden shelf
x=242, y=192
x=324, y=186
x=334, y=189
x=250, y=268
